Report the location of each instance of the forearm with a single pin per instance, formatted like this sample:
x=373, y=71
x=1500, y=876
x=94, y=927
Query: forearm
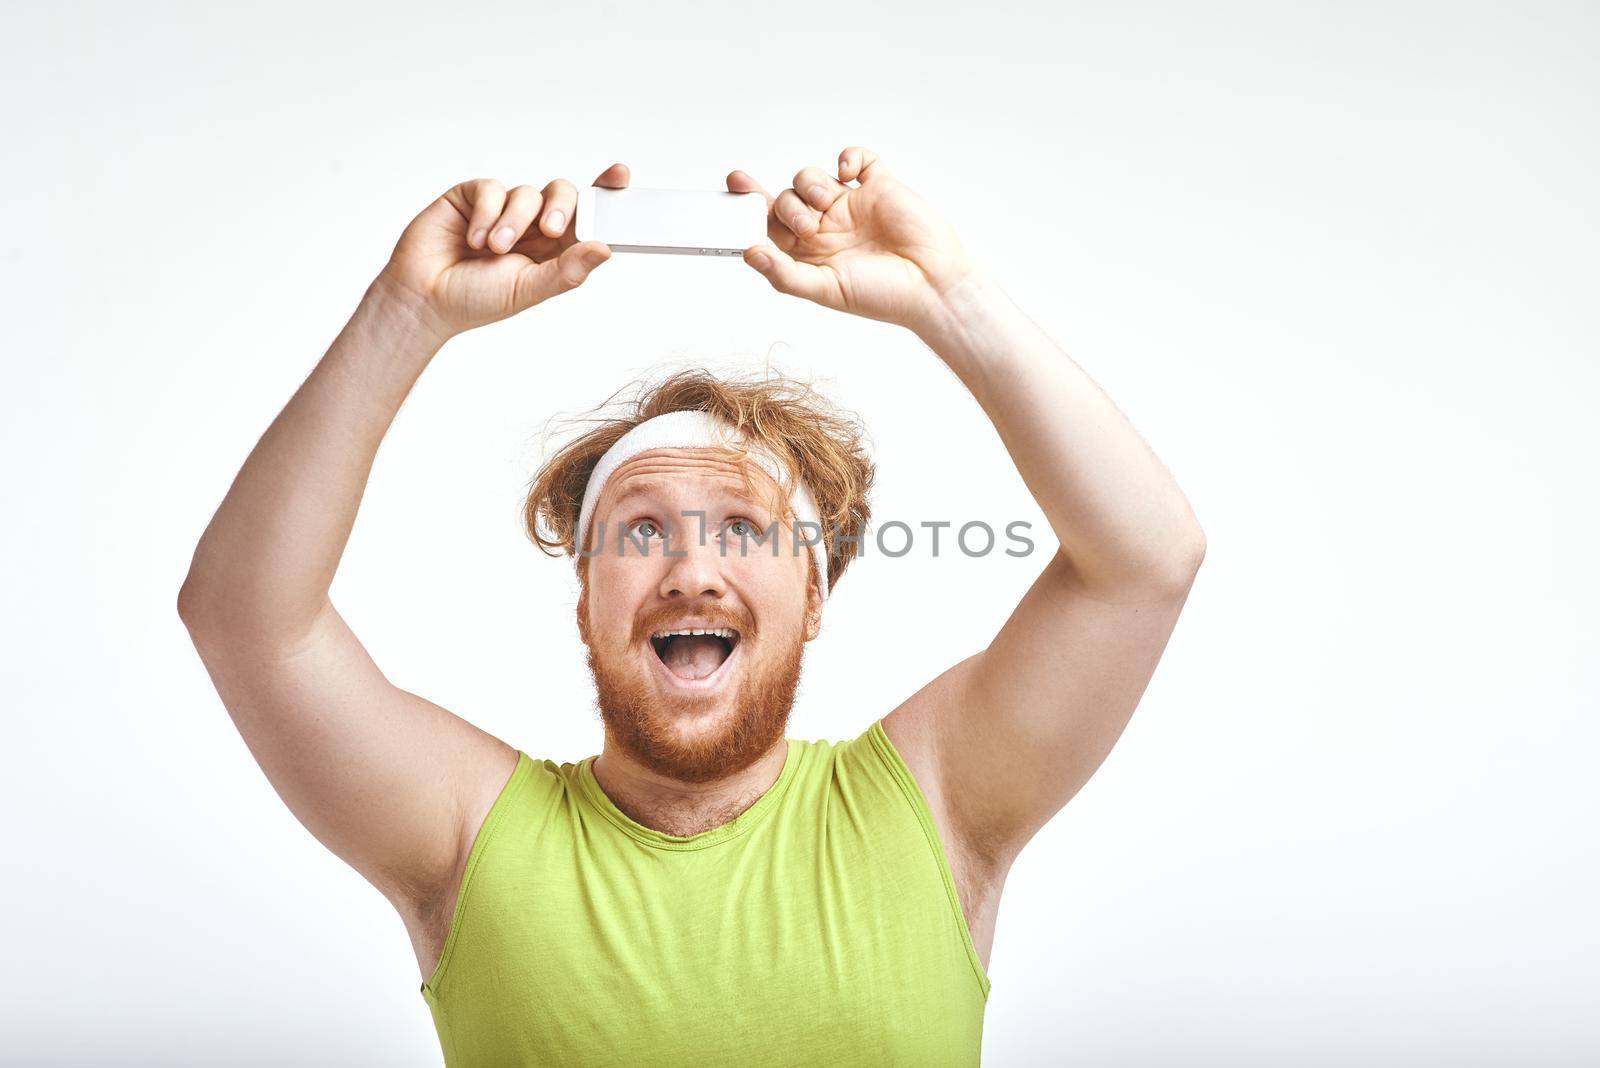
x=265, y=563
x=1121, y=519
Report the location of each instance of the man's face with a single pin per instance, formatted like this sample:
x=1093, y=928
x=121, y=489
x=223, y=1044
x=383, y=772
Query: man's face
x=695, y=707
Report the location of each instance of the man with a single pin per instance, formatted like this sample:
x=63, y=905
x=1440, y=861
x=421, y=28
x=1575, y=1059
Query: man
x=705, y=890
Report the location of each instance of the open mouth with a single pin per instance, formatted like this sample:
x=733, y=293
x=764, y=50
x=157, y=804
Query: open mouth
x=694, y=654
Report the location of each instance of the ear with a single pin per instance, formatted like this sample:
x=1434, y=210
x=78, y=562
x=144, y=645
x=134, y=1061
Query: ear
x=813, y=603
x=583, y=607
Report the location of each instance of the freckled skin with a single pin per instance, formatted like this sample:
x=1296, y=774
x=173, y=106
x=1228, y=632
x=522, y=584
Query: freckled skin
x=658, y=733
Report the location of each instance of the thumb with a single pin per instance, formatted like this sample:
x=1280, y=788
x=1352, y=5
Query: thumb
x=788, y=275
x=540, y=281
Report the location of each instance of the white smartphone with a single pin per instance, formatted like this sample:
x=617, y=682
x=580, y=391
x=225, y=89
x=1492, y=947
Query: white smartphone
x=684, y=222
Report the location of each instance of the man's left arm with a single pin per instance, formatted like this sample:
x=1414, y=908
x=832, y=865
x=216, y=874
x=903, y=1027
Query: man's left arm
x=1004, y=739
x=1010, y=734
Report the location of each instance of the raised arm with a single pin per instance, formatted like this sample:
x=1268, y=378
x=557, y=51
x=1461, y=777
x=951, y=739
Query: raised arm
x=1018, y=728
x=390, y=782
x=1001, y=741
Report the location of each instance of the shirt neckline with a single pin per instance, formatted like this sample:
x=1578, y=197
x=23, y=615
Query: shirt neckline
x=735, y=827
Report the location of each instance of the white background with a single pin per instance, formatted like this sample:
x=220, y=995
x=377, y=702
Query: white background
x=1337, y=264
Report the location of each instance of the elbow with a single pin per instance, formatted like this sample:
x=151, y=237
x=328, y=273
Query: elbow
x=1183, y=562
x=197, y=602
x=188, y=601
x=1188, y=546
x=214, y=609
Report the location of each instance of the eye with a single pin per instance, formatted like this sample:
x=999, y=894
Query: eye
x=645, y=529
x=742, y=528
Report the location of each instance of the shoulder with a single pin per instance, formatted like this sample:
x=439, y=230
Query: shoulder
x=911, y=731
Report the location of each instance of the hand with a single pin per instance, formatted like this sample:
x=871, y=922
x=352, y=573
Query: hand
x=474, y=256
x=874, y=249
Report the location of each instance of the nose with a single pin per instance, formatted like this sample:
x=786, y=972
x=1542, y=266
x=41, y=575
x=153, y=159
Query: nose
x=698, y=571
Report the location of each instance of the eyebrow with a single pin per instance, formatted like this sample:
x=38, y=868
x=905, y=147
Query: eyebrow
x=653, y=486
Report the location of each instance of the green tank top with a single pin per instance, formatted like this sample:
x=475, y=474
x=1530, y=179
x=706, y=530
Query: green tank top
x=819, y=927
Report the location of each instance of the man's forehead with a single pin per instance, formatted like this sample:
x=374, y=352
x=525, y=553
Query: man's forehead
x=673, y=472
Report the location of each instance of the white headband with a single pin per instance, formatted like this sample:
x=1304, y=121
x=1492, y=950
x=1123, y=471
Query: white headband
x=699, y=430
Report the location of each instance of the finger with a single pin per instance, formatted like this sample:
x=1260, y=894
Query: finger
x=540, y=281
x=487, y=197
x=613, y=177
x=560, y=197
x=818, y=188
x=860, y=164
x=521, y=208
x=740, y=182
x=794, y=213
x=788, y=275
x=779, y=234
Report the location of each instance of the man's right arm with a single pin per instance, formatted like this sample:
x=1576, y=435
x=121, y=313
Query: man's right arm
x=380, y=776
x=390, y=782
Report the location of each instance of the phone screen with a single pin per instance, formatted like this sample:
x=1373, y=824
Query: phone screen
x=692, y=221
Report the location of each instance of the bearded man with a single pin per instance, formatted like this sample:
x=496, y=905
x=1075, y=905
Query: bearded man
x=705, y=890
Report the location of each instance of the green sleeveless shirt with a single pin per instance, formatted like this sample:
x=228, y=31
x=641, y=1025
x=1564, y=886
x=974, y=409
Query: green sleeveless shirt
x=819, y=927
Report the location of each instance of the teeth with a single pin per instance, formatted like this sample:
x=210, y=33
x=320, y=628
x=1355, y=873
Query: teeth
x=720, y=632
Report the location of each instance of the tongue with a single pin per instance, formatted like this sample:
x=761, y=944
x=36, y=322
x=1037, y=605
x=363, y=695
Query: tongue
x=694, y=656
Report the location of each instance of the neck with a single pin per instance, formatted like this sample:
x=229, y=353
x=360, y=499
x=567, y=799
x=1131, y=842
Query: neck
x=681, y=808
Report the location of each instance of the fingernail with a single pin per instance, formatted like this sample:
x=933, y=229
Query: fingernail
x=477, y=237
x=593, y=257
x=760, y=261
x=557, y=220
x=800, y=222
x=815, y=193
x=503, y=236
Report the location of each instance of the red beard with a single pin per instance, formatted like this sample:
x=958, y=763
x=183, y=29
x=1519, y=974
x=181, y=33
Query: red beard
x=640, y=721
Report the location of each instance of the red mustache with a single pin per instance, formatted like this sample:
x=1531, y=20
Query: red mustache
x=706, y=616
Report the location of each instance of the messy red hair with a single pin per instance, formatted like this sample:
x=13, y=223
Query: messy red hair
x=812, y=438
